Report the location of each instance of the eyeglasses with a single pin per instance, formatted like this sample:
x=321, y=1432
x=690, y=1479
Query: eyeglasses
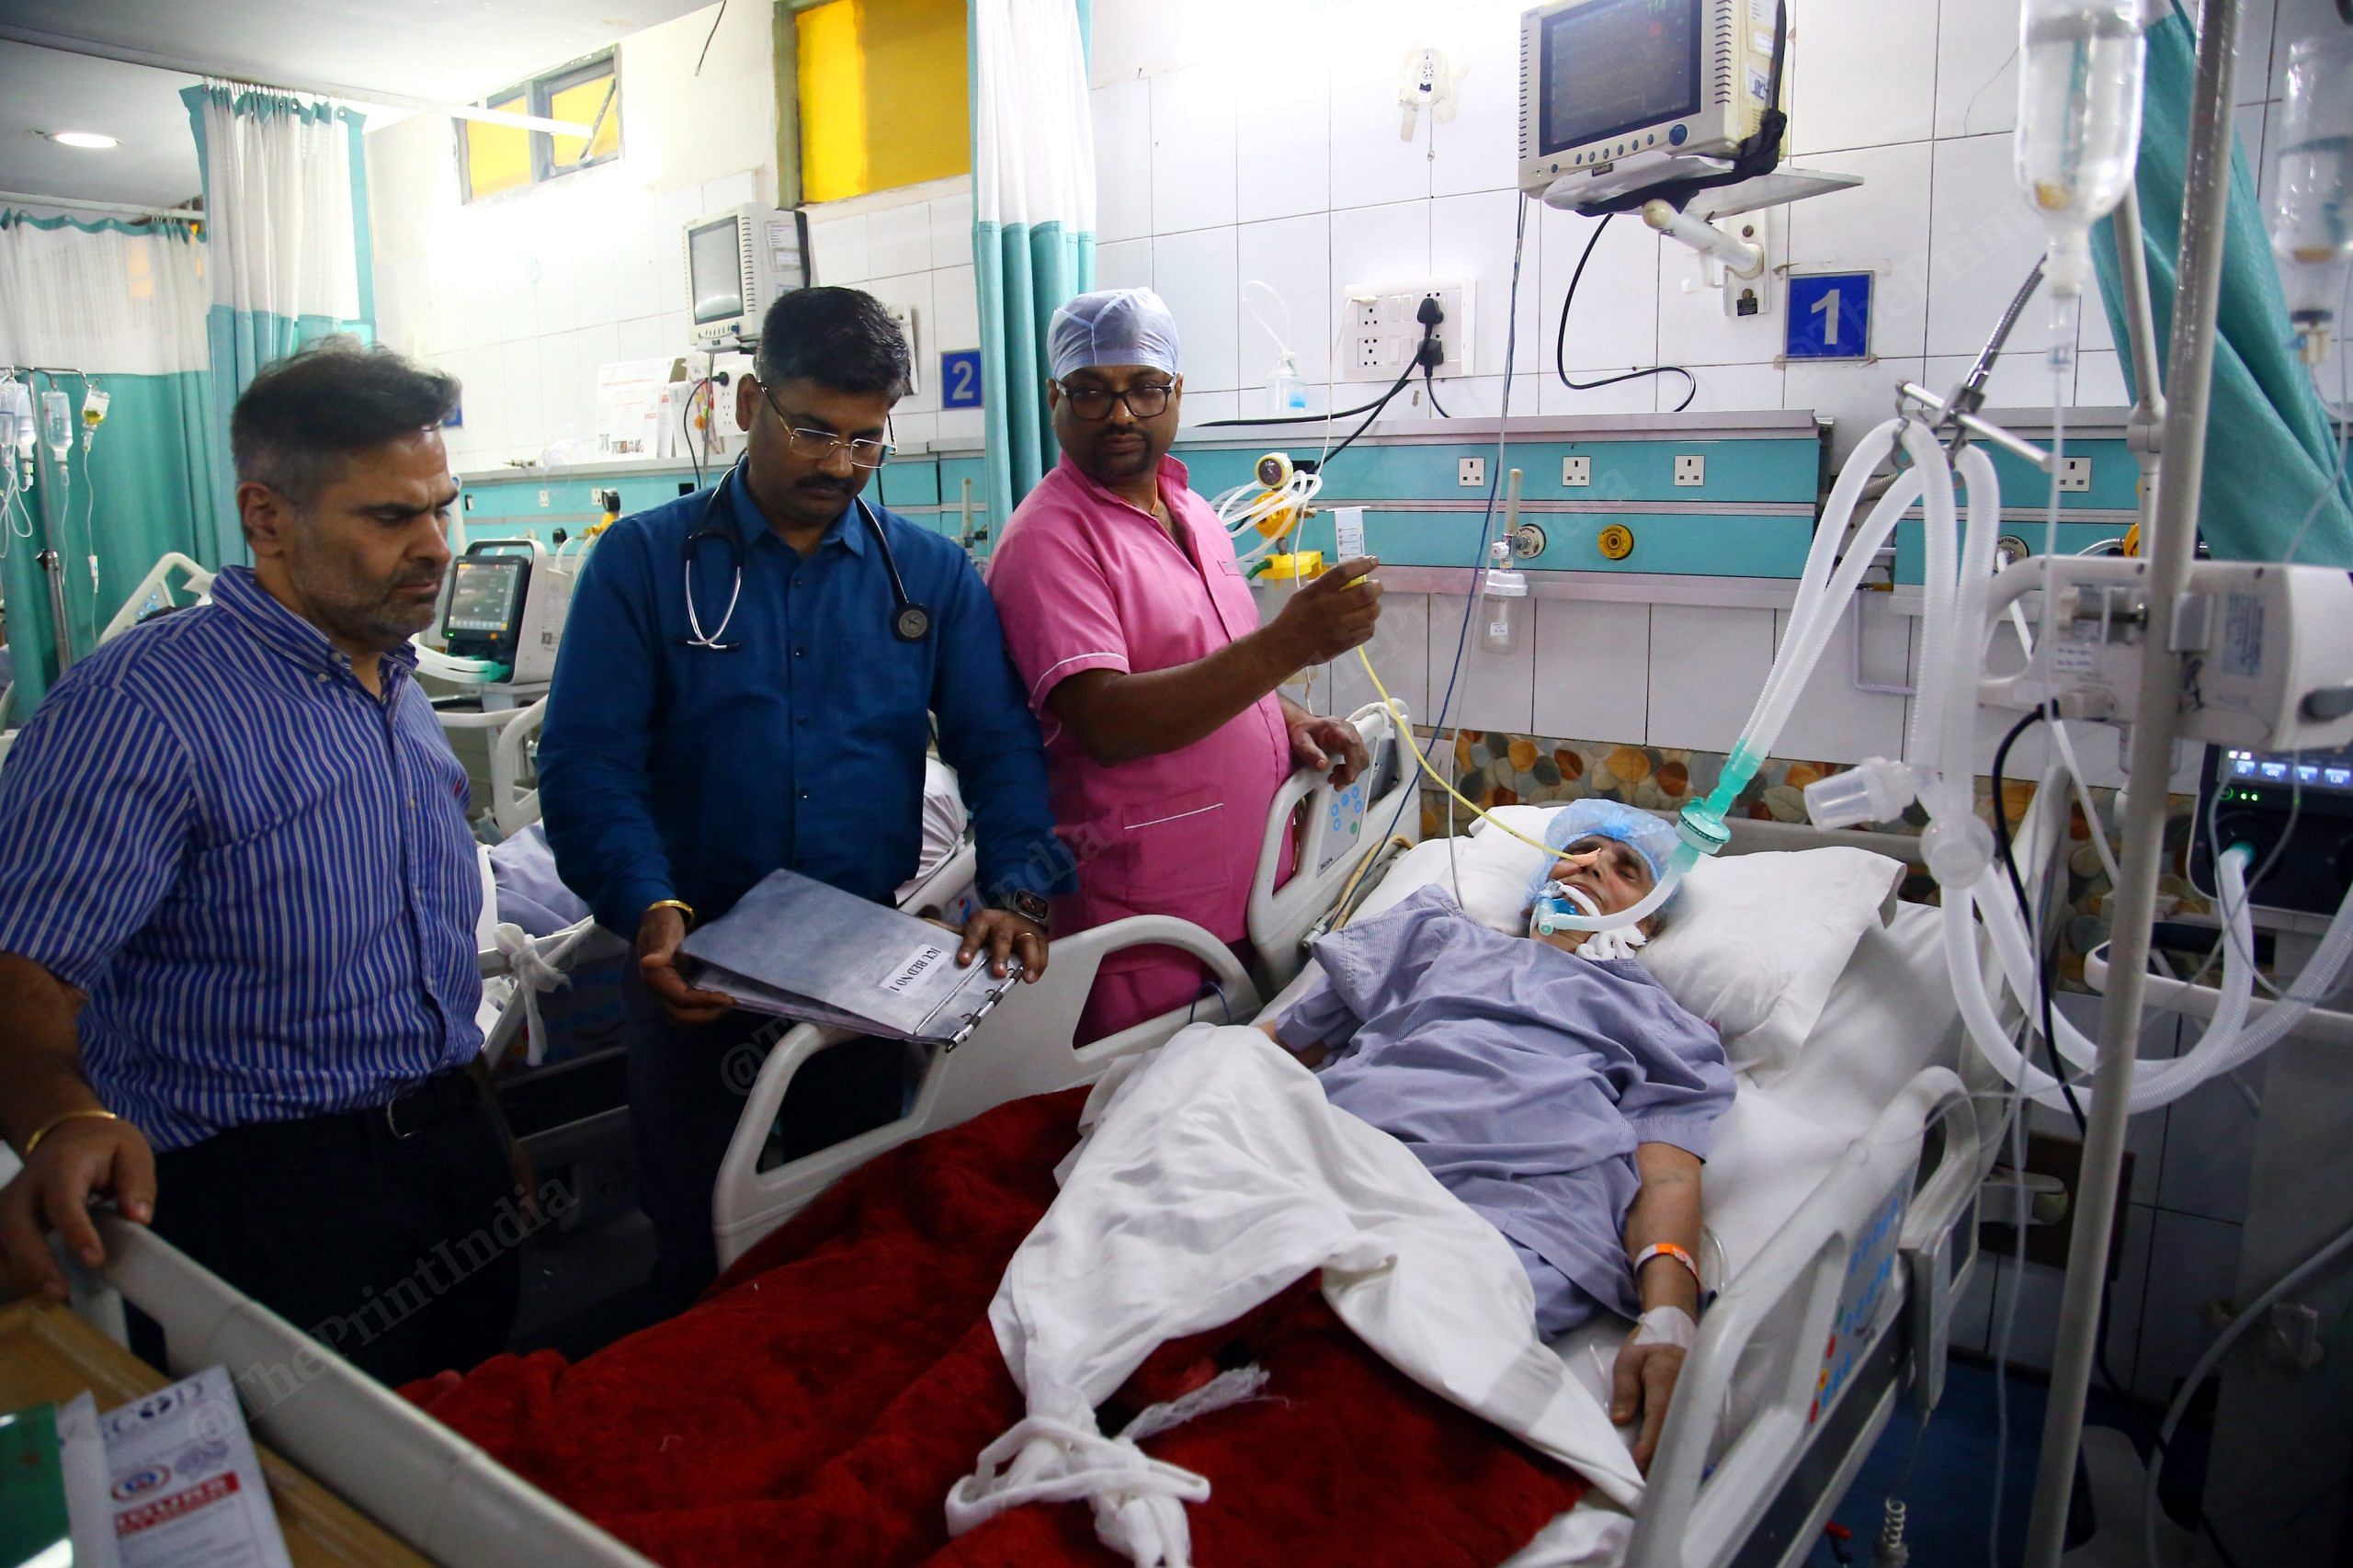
x=817, y=446
x=1145, y=400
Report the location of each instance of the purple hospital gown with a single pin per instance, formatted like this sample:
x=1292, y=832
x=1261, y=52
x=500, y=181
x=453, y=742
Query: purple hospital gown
x=1522, y=1076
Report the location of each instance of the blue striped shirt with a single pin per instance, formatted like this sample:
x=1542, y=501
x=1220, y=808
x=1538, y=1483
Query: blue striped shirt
x=259, y=875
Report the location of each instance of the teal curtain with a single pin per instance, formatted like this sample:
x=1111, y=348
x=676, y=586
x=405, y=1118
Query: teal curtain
x=145, y=486
x=2270, y=444
x=242, y=340
x=1023, y=273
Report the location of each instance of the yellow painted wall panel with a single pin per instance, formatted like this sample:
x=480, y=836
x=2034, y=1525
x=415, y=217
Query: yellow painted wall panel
x=885, y=95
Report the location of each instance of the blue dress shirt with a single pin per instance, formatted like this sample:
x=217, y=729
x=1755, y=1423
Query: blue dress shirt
x=260, y=876
x=671, y=771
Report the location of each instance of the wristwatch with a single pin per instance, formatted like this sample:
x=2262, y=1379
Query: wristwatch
x=1030, y=906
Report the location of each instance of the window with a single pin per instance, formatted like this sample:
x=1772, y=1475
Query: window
x=495, y=158
x=885, y=95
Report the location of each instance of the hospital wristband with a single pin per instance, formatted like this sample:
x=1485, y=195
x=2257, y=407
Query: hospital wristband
x=1669, y=1249
x=685, y=910
x=33, y=1142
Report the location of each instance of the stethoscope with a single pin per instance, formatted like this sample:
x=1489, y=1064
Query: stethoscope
x=910, y=622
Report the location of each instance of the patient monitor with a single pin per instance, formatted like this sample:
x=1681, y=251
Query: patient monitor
x=505, y=602
x=1618, y=96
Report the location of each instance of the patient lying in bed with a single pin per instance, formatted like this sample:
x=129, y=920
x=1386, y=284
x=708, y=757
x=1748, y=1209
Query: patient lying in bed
x=1565, y=1098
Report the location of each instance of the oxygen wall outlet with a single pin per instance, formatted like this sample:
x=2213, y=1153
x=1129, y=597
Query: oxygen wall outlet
x=1384, y=327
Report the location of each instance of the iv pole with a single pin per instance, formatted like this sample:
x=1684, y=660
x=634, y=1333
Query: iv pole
x=2170, y=546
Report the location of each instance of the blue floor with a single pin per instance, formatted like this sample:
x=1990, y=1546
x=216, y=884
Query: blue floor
x=1949, y=1494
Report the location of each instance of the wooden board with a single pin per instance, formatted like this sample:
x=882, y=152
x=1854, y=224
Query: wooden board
x=48, y=1356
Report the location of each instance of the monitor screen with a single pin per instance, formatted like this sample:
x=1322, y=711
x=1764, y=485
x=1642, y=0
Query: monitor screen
x=715, y=264
x=481, y=595
x=2330, y=771
x=1617, y=65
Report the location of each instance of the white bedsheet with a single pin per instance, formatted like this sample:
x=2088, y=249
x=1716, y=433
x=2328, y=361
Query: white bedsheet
x=1212, y=1174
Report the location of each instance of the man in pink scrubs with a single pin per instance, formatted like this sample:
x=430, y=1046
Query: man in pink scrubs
x=1139, y=639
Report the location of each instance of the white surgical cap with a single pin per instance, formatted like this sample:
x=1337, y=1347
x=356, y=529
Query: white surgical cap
x=1647, y=836
x=1112, y=326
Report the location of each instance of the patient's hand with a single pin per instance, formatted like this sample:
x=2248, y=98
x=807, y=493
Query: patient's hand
x=1643, y=1384
x=1309, y=1056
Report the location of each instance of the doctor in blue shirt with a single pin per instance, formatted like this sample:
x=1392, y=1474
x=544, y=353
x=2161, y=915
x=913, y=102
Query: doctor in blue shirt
x=749, y=680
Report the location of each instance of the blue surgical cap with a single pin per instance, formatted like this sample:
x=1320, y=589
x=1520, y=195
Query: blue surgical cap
x=1647, y=836
x=1112, y=326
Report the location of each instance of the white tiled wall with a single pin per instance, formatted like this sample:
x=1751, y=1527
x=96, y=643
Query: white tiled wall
x=523, y=296
x=913, y=249
x=1209, y=118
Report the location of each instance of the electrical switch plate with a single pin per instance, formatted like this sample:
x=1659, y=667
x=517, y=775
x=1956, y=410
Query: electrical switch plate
x=1384, y=327
x=1690, y=469
x=543, y=498
x=1470, y=471
x=1576, y=471
x=2074, y=473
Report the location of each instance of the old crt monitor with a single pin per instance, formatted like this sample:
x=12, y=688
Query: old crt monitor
x=1620, y=95
x=507, y=603
x=737, y=263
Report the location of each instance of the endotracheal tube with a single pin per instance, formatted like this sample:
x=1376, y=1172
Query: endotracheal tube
x=2311, y=190
x=2079, y=134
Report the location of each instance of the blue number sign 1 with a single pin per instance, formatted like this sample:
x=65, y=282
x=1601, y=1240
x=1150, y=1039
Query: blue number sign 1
x=1829, y=317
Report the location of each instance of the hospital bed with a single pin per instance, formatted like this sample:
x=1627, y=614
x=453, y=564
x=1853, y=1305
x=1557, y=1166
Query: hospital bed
x=1842, y=1205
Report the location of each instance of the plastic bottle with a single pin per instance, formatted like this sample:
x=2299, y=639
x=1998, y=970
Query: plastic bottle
x=57, y=429
x=2078, y=133
x=1506, y=592
x=2311, y=190
x=1286, y=393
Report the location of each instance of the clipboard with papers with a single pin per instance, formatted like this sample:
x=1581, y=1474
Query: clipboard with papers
x=797, y=948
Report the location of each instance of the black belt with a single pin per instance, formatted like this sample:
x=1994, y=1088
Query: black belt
x=444, y=1098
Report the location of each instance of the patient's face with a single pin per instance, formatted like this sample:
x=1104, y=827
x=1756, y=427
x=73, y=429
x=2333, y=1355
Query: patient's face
x=1613, y=873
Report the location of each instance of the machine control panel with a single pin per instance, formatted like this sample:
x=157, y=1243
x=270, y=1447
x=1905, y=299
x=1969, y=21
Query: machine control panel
x=2295, y=809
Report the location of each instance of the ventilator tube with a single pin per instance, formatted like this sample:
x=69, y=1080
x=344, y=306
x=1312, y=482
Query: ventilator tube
x=1957, y=845
x=1834, y=570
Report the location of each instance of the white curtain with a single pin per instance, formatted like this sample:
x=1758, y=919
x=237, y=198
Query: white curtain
x=110, y=299
x=279, y=176
x=285, y=210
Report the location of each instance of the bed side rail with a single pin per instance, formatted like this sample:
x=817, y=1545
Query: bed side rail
x=155, y=589
x=1021, y=1047
x=1343, y=826
x=1841, y=1264
x=443, y=1496
x=512, y=807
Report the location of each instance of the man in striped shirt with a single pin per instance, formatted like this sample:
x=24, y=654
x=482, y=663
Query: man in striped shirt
x=237, y=905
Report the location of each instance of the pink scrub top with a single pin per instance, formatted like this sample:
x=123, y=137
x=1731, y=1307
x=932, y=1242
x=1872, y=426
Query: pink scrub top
x=1085, y=581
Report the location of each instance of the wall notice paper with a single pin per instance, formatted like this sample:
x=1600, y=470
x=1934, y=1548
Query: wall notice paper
x=186, y=1485
x=628, y=407
x=799, y=948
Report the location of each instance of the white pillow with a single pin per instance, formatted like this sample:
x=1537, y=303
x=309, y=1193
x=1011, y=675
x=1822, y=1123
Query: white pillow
x=1752, y=943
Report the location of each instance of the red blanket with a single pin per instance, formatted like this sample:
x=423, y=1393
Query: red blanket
x=816, y=1405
